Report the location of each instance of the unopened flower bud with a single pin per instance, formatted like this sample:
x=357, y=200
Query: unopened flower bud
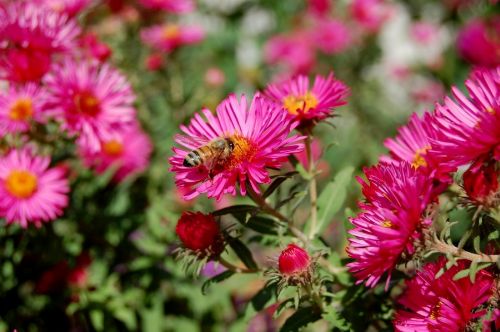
x=293, y=260
x=481, y=182
x=200, y=232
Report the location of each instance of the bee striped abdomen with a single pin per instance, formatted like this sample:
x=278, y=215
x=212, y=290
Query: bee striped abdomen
x=193, y=159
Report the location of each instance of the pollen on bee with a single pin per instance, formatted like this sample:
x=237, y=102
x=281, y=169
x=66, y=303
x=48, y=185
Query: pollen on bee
x=244, y=149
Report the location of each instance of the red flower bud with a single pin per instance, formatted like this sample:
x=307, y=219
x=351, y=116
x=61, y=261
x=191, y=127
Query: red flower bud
x=199, y=232
x=293, y=260
x=481, y=181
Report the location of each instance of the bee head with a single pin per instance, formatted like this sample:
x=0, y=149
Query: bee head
x=230, y=143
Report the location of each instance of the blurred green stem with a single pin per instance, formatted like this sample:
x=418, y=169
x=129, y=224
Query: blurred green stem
x=313, y=191
x=261, y=202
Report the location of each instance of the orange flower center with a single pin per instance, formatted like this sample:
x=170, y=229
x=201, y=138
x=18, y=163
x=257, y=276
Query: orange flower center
x=113, y=148
x=490, y=110
x=387, y=224
x=419, y=159
x=21, y=109
x=171, y=31
x=87, y=103
x=21, y=184
x=244, y=150
x=304, y=103
x=435, y=311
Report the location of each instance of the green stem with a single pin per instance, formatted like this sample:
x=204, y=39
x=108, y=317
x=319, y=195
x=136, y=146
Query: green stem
x=261, y=202
x=313, y=191
x=314, y=296
x=457, y=252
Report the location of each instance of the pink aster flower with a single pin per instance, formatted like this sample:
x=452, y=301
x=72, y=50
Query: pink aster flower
x=68, y=7
x=444, y=304
x=93, y=48
x=90, y=100
x=309, y=104
x=469, y=129
x=331, y=36
x=128, y=150
x=295, y=52
x=19, y=106
x=30, y=35
x=167, y=37
x=172, y=6
x=479, y=42
x=31, y=191
x=390, y=227
x=254, y=137
x=319, y=7
x=370, y=14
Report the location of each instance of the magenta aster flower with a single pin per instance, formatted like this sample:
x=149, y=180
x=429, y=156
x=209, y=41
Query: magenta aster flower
x=331, y=36
x=90, y=100
x=444, y=304
x=167, y=37
x=30, y=35
x=390, y=225
x=469, y=129
x=19, y=106
x=294, y=52
x=244, y=141
x=30, y=191
x=309, y=104
x=370, y=14
x=128, y=150
x=172, y=6
x=479, y=42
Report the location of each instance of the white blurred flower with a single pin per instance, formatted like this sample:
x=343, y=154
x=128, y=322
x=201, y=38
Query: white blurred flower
x=257, y=21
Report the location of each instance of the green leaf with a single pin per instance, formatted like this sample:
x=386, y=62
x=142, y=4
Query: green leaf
x=334, y=318
x=461, y=274
x=243, y=253
x=475, y=267
x=243, y=208
x=301, y=318
x=218, y=278
x=262, y=225
x=278, y=180
x=97, y=319
x=331, y=199
x=263, y=296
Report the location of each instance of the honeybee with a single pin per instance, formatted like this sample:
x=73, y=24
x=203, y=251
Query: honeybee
x=211, y=155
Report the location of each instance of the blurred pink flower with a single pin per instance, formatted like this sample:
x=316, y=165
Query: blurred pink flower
x=479, y=42
x=128, y=150
x=30, y=191
x=67, y=7
x=444, y=304
x=20, y=105
x=306, y=104
x=154, y=61
x=468, y=129
x=167, y=37
x=331, y=36
x=424, y=33
x=90, y=100
x=214, y=77
x=391, y=221
x=258, y=136
x=173, y=6
x=370, y=14
x=95, y=49
x=295, y=52
x=29, y=36
x=319, y=7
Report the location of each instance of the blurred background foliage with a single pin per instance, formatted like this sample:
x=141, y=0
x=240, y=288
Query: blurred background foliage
x=120, y=237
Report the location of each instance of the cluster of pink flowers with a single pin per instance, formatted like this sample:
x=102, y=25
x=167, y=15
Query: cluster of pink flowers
x=389, y=231
x=55, y=74
x=296, y=51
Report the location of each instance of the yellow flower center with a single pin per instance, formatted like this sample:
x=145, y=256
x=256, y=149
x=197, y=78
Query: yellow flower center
x=490, y=110
x=21, y=184
x=435, y=311
x=87, y=103
x=171, y=31
x=113, y=148
x=387, y=224
x=21, y=109
x=244, y=150
x=303, y=104
x=419, y=159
